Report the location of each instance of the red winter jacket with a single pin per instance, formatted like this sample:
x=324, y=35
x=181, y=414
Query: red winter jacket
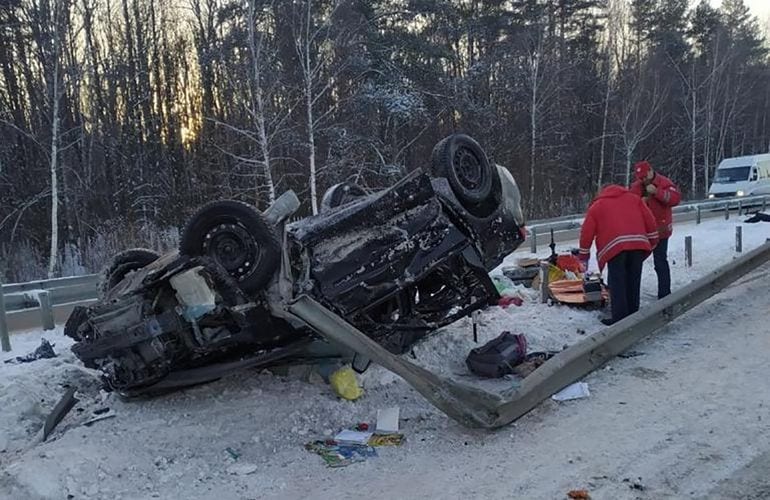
x=618, y=220
x=660, y=203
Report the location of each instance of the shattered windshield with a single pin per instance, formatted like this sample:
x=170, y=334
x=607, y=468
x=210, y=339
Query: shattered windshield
x=735, y=174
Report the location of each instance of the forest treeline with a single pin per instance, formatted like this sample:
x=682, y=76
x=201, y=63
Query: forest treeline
x=119, y=117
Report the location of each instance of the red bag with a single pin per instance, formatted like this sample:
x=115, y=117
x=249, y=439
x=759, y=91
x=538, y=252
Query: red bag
x=569, y=263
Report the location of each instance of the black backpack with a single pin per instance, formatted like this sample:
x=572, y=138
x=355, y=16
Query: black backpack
x=497, y=357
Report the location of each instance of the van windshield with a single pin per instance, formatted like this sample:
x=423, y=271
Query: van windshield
x=733, y=174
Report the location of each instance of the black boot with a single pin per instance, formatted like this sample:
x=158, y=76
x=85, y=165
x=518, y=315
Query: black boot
x=607, y=321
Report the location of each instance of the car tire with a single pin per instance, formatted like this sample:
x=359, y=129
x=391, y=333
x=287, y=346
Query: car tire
x=123, y=264
x=237, y=237
x=474, y=181
x=340, y=194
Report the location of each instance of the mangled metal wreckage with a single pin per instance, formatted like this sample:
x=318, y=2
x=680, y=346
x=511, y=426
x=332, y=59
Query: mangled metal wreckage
x=248, y=289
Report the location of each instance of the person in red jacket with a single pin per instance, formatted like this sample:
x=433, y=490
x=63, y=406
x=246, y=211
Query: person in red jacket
x=661, y=195
x=625, y=234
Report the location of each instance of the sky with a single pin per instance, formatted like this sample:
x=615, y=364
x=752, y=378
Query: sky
x=760, y=8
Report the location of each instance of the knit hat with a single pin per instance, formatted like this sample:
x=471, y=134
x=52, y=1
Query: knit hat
x=641, y=169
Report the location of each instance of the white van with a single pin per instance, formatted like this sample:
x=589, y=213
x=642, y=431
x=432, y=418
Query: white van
x=741, y=176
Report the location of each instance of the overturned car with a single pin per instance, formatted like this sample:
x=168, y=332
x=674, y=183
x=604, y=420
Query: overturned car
x=395, y=264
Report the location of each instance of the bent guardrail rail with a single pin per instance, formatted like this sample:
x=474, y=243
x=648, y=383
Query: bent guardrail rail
x=474, y=407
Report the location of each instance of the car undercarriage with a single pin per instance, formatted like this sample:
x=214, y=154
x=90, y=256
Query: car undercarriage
x=396, y=264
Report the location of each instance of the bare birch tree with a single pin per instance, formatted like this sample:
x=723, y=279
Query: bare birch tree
x=312, y=41
x=258, y=104
x=639, y=117
x=542, y=79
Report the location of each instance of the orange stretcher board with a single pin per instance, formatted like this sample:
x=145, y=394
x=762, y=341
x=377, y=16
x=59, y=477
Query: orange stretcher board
x=571, y=292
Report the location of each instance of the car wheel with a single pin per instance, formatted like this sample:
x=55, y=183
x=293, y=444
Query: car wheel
x=237, y=237
x=473, y=180
x=339, y=194
x=123, y=264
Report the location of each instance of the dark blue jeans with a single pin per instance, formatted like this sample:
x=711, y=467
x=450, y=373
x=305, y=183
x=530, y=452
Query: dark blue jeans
x=660, y=257
x=625, y=281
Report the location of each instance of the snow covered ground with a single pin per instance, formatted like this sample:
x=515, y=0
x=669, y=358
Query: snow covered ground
x=669, y=416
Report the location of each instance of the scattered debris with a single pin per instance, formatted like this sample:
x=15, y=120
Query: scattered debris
x=356, y=445
x=533, y=361
x=502, y=283
x=581, y=331
x=578, y=390
x=99, y=416
x=387, y=420
x=242, y=469
x=345, y=384
x=65, y=404
x=233, y=454
x=43, y=351
x=527, y=262
x=340, y=455
x=350, y=437
x=635, y=485
x=631, y=354
x=579, y=495
x=507, y=301
x=758, y=217
x=520, y=275
x=386, y=440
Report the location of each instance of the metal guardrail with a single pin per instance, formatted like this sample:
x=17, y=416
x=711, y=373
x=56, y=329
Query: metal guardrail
x=49, y=284
x=43, y=302
x=565, y=223
x=63, y=293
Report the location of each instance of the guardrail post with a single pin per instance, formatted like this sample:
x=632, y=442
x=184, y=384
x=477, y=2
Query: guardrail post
x=544, y=268
x=739, y=239
x=46, y=310
x=727, y=210
x=4, y=339
x=533, y=240
x=688, y=251
x=740, y=207
x=697, y=214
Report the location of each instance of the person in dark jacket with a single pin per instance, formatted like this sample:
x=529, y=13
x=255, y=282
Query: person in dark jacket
x=625, y=234
x=661, y=195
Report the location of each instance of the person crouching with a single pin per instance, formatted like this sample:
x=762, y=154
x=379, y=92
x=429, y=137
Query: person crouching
x=625, y=233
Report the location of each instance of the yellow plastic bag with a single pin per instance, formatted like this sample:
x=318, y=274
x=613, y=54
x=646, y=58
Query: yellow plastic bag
x=555, y=274
x=345, y=384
